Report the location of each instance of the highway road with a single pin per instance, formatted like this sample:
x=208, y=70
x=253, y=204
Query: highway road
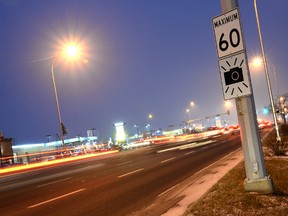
x=116, y=184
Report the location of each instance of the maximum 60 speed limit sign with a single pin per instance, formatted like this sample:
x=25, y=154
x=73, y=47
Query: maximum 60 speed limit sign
x=232, y=59
x=228, y=33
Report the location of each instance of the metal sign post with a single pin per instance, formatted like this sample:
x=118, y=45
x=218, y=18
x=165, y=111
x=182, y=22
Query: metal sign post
x=235, y=78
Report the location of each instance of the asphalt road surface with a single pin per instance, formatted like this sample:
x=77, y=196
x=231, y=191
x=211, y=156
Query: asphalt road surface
x=116, y=184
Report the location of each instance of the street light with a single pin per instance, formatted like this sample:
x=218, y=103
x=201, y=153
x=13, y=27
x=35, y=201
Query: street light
x=137, y=129
x=192, y=104
x=258, y=62
x=267, y=74
x=150, y=116
x=228, y=104
x=188, y=112
x=71, y=52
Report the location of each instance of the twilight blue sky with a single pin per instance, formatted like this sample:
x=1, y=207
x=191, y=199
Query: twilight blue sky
x=152, y=56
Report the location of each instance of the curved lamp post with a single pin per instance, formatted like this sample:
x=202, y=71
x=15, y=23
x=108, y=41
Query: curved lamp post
x=71, y=52
x=267, y=74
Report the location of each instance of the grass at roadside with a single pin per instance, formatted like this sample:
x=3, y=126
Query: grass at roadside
x=228, y=197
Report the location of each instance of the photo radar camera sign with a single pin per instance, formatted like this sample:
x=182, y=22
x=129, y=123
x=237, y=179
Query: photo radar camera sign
x=228, y=33
x=235, y=76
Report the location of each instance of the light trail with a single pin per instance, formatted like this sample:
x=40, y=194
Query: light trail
x=53, y=162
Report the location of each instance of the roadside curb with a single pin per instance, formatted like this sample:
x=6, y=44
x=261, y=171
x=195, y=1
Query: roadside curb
x=177, y=199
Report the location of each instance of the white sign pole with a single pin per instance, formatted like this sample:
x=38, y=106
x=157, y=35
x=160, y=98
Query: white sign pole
x=256, y=176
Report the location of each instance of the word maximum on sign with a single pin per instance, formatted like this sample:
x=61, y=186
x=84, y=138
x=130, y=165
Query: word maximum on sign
x=225, y=20
x=228, y=33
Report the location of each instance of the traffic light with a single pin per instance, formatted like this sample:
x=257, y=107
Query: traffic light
x=265, y=110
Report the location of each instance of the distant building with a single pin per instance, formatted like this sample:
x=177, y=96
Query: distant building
x=6, y=151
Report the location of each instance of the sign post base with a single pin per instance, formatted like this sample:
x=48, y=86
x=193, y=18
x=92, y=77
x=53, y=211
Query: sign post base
x=263, y=185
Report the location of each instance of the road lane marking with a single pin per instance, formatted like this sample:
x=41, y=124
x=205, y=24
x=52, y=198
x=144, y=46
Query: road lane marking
x=177, y=147
x=42, y=185
x=126, y=174
x=164, y=161
x=187, y=153
x=124, y=163
x=186, y=146
x=56, y=198
x=198, y=144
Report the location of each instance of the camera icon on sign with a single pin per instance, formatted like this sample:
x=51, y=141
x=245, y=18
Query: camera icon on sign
x=234, y=75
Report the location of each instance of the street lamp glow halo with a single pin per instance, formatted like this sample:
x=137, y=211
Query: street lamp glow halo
x=228, y=104
x=257, y=61
x=72, y=51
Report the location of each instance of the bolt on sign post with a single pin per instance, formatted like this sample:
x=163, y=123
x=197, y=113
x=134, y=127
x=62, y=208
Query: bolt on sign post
x=236, y=84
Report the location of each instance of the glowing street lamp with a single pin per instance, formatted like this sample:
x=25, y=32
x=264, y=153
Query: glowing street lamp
x=188, y=112
x=258, y=62
x=71, y=51
x=228, y=105
x=150, y=116
x=192, y=104
x=137, y=130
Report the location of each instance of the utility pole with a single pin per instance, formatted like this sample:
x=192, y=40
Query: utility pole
x=256, y=176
